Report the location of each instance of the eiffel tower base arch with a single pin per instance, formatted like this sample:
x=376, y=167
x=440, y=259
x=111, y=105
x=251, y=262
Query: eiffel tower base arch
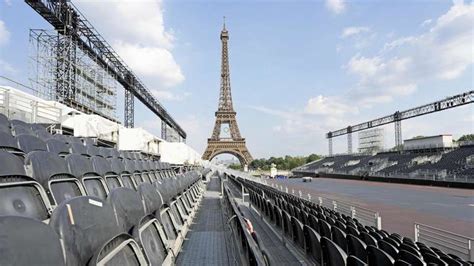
x=236, y=148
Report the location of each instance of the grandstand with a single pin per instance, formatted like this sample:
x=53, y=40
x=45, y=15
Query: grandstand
x=96, y=200
x=442, y=164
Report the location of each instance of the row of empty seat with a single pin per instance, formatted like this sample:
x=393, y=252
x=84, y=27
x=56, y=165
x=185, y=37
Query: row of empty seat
x=65, y=201
x=399, y=164
x=330, y=238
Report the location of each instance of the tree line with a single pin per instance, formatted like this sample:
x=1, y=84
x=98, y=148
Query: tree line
x=282, y=163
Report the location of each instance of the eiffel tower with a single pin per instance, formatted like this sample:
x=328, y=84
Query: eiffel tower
x=225, y=115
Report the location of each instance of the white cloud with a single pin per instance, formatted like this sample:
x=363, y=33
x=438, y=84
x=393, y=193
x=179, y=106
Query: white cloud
x=142, y=40
x=164, y=95
x=350, y=31
x=4, y=33
x=328, y=106
x=442, y=52
x=151, y=61
x=426, y=22
x=336, y=6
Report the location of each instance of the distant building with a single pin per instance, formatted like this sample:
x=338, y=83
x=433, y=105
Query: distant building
x=439, y=141
x=371, y=140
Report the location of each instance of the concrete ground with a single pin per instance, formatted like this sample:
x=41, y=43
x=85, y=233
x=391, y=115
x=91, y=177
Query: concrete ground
x=400, y=205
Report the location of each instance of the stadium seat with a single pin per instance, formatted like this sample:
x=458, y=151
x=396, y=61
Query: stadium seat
x=8, y=143
x=333, y=255
x=339, y=237
x=29, y=143
x=58, y=147
x=298, y=235
x=313, y=244
x=119, y=169
x=376, y=256
x=25, y=241
x=411, y=258
x=368, y=239
x=389, y=248
x=91, y=235
x=20, y=195
x=433, y=259
x=151, y=199
x=150, y=234
x=19, y=129
x=324, y=229
x=52, y=173
x=356, y=247
x=78, y=148
x=5, y=124
x=104, y=169
x=354, y=261
x=127, y=206
x=81, y=168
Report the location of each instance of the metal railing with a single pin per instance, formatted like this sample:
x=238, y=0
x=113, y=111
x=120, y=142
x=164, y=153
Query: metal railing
x=363, y=215
x=446, y=241
x=16, y=106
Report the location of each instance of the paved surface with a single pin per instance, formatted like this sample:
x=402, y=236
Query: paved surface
x=400, y=205
x=206, y=243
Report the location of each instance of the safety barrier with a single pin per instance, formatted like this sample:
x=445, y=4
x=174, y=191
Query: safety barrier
x=449, y=242
x=248, y=249
x=16, y=106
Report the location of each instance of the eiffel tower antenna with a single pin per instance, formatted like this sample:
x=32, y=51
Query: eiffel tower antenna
x=226, y=115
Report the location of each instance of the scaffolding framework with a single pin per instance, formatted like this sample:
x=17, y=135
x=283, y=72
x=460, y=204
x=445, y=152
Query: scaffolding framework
x=64, y=72
x=371, y=140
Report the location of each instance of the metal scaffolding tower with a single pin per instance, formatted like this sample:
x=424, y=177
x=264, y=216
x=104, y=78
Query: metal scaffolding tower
x=67, y=20
x=397, y=117
x=65, y=73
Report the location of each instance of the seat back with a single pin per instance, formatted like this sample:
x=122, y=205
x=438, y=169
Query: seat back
x=41, y=246
x=150, y=234
x=313, y=244
x=127, y=206
x=84, y=224
x=58, y=147
x=20, y=195
x=29, y=143
x=333, y=255
x=376, y=256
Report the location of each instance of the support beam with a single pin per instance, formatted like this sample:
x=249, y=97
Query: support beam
x=441, y=105
x=129, y=112
x=398, y=135
x=349, y=140
x=329, y=137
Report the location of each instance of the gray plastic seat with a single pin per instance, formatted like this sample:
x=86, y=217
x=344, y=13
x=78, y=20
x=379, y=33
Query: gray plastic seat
x=149, y=232
x=128, y=207
x=78, y=148
x=93, y=150
x=29, y=143
x=376, y=256
x=20, y=195
x=58, y=147
x=356, y=247
x=151, y=198
x=9, y=143
x=333, y=255
x=52, y=173
x=22, y=130
x=103, y=168
x=91, y=234
x=23, y=242
x=5, y=124
x=313, y=244
x=119, y=168
x=81, y=167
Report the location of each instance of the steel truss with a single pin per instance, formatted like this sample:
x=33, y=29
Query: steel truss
x=66, y=19
x=397, y=117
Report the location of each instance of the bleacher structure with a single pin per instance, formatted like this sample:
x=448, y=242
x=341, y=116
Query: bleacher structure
x=67, y=200
x=328, y=237
x=452, y=165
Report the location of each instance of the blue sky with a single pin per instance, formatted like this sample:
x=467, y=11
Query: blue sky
x=298, y=68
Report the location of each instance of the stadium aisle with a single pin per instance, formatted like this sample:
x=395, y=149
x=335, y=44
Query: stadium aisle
x=206, y=242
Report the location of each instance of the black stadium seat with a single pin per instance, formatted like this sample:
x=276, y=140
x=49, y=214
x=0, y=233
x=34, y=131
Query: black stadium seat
x=81, y=167
x=313, y=244
x=91, y=235
x=29, y=143
x=333, y=255
x=356, y=247
x=128, y=207
x=104, y=169
x=52, y=173
x=119, y=169
x=8, y=143
x=58, y=147
x=376, y=256
x=20, y=195
x=37, y=244
x=4, y=124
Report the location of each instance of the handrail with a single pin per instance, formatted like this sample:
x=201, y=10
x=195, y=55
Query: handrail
x=449, y=242
x=252, y=245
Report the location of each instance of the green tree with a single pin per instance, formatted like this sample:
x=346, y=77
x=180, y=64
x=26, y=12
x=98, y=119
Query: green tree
x=468, y=137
